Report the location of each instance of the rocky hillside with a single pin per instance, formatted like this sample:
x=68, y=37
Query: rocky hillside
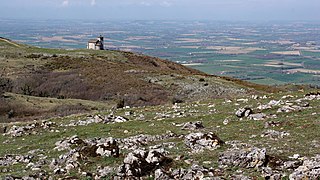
x=272, y=136
x=112, y=77
x=90, y=120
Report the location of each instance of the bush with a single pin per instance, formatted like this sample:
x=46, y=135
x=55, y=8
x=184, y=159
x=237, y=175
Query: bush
x=120, y=103
x=6, y=85
x=177, y=99
x=65, y=110
x=201, y=79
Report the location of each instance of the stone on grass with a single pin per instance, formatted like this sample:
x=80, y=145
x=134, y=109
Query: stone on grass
x=310, y=169
x=274, y=134
x=141, y=163
x=200, y=141
x=245, y=158
x=243, y=112
x=258, y=116
x=192, y=125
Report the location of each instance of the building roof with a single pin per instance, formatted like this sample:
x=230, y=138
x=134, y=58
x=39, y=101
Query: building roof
x=93, y=41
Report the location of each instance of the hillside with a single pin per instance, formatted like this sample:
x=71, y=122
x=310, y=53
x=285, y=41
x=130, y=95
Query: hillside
x=112, y=77
x=198, y=127
x=273, y=137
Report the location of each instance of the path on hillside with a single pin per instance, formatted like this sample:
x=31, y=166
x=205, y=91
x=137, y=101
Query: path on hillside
x=10, y=42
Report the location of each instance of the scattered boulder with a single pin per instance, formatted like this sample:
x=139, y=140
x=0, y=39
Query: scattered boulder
x=192, y=125
x=119, y=119
x=297, y=105
x=200, y=141
x=274, y=134
x=104, y=172
x=98, y=147
x=18, y=131
x=11, y=159
x=141, y=163
x=312, y=96
x=272, y=124
x=90, y=120
x=159, y=174
x=310, y=169
x=39, y=175
x=98, y=119
x=302, y=103
x=258, y=116
x=226, y=121
x=275, y=103
x=245, y=158
x=194, y=172
x=66, y=162
x=115, y=119
x=291, y=165
x=80, y=150
x=66, y=143
x=243, y=112
x=268, y=173
x=264, y=107
x=108, y=148
x=288, y=108
x=47, y=124
x=135, y=142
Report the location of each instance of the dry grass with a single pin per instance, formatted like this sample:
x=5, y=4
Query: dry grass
x=30, y=107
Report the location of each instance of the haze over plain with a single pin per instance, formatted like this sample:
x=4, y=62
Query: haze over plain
x=233, y=10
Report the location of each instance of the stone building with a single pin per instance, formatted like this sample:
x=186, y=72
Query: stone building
x=96, y=44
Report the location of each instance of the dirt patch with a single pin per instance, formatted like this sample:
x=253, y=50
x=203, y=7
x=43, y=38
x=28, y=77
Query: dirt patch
x=57, y=38
x=233, y=49
x=188, y=40
x=309, y=71
x=137, y=38
x=279, y=64
x=287, y=53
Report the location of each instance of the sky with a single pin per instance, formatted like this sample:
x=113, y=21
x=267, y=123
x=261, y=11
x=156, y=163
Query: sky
x=233, y=10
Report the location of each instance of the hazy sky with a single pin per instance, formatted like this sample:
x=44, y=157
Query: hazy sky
x=163, y=9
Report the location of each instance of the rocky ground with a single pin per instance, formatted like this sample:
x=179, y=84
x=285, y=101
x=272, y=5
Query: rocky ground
x=272, y=136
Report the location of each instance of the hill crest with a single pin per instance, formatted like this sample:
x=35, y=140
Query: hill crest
x=110, y=76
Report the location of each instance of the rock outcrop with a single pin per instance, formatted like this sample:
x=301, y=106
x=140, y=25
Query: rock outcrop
x=243, y=112
x=245, y=158
x=200, y=141
x=141, y=162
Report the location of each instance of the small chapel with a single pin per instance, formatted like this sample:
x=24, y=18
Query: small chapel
x=96, y=44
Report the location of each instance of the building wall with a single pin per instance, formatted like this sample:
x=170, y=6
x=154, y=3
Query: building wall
x=91, y=46
x=94, y=46
x=98, y=47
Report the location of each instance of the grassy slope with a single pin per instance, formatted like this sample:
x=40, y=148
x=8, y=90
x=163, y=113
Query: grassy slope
x=302, y=126
x=109, y=76
x=35, y=108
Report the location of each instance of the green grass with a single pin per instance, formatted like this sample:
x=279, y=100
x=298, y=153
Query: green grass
x=302, y=126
